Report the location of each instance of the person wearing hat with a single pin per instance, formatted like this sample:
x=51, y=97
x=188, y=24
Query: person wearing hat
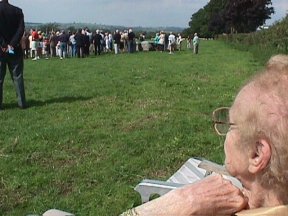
x=11, y=54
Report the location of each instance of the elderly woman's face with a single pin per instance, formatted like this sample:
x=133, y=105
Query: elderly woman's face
x=236, y=161
x=234, y=156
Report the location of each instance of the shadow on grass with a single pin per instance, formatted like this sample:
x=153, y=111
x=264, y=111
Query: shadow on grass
x=36, y=103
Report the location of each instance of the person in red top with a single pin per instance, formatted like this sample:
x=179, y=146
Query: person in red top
x=35, y=36
x=34, y=46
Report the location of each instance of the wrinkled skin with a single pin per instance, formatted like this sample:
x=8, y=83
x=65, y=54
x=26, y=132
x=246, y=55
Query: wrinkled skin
x=210, y=196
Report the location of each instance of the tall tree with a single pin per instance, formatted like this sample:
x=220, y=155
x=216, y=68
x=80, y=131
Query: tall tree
x=246, y=15
x=217, y=23
x=224, y=16
x=208, y=21
x=197, y=21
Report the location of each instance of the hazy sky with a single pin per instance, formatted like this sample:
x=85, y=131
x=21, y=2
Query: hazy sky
x=148, y=13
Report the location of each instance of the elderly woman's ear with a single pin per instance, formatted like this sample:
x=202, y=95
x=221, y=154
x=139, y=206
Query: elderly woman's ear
x=260, y=156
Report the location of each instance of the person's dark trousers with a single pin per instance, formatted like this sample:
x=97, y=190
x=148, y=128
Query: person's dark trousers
x=26, y=53
x=15, y=65
x=134, y=46
x=53, y=51
x=97, y=48
x=130, y=46
x=80, y=53
x=196, y=48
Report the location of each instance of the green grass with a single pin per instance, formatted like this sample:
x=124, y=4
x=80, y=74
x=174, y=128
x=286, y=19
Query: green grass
x=97, y=126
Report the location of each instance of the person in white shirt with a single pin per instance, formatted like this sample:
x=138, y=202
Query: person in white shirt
x=196, y=41
x=179, y=41
x=172, y=41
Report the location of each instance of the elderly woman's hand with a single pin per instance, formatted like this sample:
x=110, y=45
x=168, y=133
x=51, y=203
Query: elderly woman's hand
x=210, y=196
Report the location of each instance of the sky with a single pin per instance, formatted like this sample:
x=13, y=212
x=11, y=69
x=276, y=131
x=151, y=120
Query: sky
x=129, y=13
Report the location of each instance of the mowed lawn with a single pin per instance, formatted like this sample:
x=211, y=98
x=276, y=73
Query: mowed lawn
x=97, y=126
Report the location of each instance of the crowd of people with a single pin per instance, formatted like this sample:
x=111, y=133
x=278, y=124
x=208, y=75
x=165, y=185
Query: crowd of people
x=83, y=42
x=17, y=44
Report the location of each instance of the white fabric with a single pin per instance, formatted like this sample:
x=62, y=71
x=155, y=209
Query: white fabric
x=55, y=212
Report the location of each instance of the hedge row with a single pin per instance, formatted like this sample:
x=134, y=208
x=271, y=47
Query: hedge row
x=262, y=43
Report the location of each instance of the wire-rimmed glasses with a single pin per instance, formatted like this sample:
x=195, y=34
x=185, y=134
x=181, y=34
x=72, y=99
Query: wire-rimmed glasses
x=221, y=121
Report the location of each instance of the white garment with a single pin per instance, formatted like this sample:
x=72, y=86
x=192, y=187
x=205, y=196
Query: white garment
x=171, y=39
x=179, y=39
x=162, y=39
x=72, y=39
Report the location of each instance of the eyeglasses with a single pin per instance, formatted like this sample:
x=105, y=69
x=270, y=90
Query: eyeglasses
x=221, y=121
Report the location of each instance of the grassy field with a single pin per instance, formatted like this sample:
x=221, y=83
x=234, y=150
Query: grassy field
x=97, y=126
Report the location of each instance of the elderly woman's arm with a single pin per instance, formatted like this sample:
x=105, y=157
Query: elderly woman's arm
x=211, y=196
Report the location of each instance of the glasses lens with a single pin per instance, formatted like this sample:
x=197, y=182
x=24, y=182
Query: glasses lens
x=222, y=129
x=221, y=119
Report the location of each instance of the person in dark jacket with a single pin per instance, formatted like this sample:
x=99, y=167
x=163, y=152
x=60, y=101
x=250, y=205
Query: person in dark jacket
x=79, y=37
x=86, y=44
x=25, y=45
x=131, y=41
x=53, y=43
x=11, y=54
x=97, y=42
x=64, y=39
x=117, y=39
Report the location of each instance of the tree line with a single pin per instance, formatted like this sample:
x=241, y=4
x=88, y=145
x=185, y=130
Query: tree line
x=230, y=16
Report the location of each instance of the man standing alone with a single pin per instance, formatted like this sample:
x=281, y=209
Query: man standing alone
x=196, y=43
x=11, y=32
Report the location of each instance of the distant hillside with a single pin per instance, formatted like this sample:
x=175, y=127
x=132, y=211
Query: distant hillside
x=95, y=26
